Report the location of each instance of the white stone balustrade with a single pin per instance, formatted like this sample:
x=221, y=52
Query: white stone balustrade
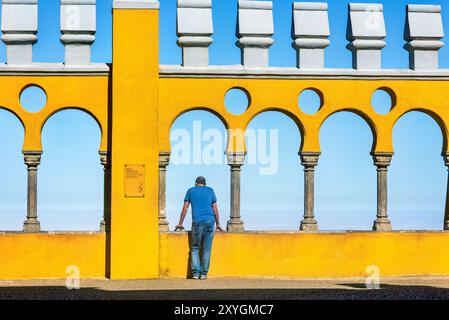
x=424, y=31
x=311, y=32
x=19, y=27
x=195, y=28
x=367, y=34
x=78, y=27
x=255, y=29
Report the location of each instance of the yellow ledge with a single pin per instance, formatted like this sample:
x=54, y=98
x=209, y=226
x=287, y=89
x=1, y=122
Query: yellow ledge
x=313, y=255
x=250, y=254
x=47, y=255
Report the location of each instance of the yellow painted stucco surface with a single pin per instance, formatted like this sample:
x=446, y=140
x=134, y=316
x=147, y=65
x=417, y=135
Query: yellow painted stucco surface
x=86, y=93
x=179, y=95
x=134, y=222
x=314, y=255
x=35, y=256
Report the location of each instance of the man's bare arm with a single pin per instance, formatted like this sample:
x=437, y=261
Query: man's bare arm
x=217, y=216
x=183, y=214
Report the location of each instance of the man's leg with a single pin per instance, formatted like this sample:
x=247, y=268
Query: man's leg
x=208, y=236
x=195, y=239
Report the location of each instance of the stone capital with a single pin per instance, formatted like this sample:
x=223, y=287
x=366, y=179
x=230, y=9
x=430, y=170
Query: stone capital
x=32, y=158
x=382, y=159
x=164, y=159
x=309, y=159
x=236, y=159
x=446, y=158
x=105, y=159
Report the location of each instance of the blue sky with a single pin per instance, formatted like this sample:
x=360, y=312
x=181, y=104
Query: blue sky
x=70, y=176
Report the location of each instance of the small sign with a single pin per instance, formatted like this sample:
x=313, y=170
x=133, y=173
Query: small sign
x=134, y=181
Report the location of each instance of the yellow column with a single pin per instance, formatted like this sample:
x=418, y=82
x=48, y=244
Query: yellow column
x=134, y=246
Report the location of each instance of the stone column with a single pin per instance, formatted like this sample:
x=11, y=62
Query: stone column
x=235, y=161
x=105, y=158
x=446, y=210
x=309, y=160
x=32, y=160
x=382, y=160
x=164, y=160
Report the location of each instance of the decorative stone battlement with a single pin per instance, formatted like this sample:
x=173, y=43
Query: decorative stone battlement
x=20, y=29
x=256, y=25
x=194, y=31
x=424, y=31
x=366, y=34
x=311, y=30
x=255, y=28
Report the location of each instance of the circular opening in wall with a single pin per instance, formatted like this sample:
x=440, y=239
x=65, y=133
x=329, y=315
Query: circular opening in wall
x=237, y=101
x=383, y=100
x=310, y=101
x=33, y=98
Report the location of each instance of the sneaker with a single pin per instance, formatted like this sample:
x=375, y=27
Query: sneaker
x=196, y=277
x=203, y=277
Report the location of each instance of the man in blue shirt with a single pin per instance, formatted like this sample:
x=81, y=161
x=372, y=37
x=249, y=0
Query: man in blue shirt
x=205, y=217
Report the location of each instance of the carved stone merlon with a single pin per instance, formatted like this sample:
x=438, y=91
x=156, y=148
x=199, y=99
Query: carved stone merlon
x=164, y=160
x=235, y=161
x=255, y=28
x=382, y=160
x=78, y=27
x=446, y=210
x=135, y=4
x=366, y=31
x=311, y=32
x=19, y=27
x=309, y=160
x=424, y=31
x=32, y=161
x=195, y=28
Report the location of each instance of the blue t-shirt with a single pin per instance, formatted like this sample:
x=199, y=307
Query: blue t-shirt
x=201, y=198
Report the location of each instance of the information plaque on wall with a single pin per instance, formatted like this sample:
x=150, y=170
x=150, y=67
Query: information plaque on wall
x=134, y=181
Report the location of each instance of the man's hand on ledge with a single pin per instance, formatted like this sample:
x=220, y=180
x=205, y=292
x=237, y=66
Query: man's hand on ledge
x=220, y=228
x=179, y=227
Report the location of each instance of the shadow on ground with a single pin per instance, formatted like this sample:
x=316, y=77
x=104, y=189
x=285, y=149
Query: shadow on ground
x=353, y=292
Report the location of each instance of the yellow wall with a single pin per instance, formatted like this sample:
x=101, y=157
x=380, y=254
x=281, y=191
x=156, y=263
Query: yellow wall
x=135, y=109
x=134, y=221
x=282, y=95
x=86, y=93
x=314, y=255
x=34, y=256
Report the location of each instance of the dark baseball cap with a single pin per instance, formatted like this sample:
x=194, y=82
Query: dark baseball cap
x=200, y=180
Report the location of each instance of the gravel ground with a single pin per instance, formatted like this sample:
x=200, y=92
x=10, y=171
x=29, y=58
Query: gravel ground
x=434, y=288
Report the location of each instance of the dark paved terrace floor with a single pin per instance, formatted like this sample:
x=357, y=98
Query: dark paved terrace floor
x=230, y=289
